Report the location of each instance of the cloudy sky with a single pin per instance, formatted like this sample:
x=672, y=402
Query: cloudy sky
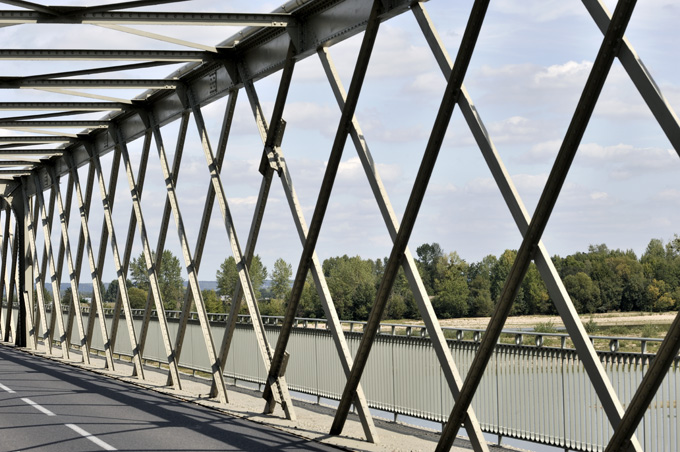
x=530, y=65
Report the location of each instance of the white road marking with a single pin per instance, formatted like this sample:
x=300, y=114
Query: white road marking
x=2, y=386
x=38, y=407
x=94, y=439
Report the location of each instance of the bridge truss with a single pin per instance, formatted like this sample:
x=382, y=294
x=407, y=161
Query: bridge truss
x=42, y=170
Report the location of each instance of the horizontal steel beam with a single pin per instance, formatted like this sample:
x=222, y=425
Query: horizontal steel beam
x=4, y=153
x=61, y=124
x=15, y=173
x=261, y=51
x=89, y=83
x=77, y=16
x=63, y=106
x=100, y=54
x=11, y=163
x=31, y=139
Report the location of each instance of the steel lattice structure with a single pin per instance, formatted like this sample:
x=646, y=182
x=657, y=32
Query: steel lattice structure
x=41, y=164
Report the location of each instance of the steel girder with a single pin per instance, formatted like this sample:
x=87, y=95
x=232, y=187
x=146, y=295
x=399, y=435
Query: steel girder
x=272, y=42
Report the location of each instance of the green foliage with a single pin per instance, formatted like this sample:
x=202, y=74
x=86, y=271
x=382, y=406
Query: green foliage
x=591, y=326
x=545, y=327
x=599, y=280
x=137, y=297
x=273, y=307
x=428, y=256
x=170, y=278
x=213, y=304
x=649, y=330
x=352, y=283
x=450, y=286
x=310, y=305
x=228, y=280
x=280, y=286
x=111, y=293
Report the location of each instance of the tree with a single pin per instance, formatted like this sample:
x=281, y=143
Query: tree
x=212, y=301
x=228, y=280
x=428, y=255
x=451, y=287
x=137, y=297
x=111, y=293
x=310, y=304
x=583, y=292
x=170, y=278
x=280, y=285
x=480, y=303
x=351, y=281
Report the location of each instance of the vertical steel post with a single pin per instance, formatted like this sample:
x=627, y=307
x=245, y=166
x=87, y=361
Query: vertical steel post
x=3, y=270
x=25, y=320
x=584, y=109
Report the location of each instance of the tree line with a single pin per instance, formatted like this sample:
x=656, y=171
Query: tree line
x=599, y=280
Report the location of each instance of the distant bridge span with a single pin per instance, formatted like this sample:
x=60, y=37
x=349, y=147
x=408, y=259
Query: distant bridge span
x=47, y=171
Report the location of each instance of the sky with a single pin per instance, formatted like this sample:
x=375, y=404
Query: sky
x=525, y=78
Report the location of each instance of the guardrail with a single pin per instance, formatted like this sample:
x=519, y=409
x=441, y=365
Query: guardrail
x=531, y=391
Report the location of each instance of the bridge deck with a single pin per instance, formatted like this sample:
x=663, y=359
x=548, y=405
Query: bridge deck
x=161, y=422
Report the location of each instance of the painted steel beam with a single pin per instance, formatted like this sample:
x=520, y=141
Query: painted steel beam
x=32, y=6
x=107, y=198
x=324, y=195
x=63, y=106
x=149, y=18
x=127, y=252
x=203, y=234
x=262, y=52
x=55, y=124
x=640, y=76
x=56, y=283
x=36, y=140
x=276, y=158
x=84, y=209
x=217, y=369
x=37, y=283
x=103, y=238
x=90, y=83
x=556, y=289
x=126, y=5
x=436, y=334
x=75, y=293
x=163, y=229
x=4, y=279
x=434, y=144
x=152, y=271
x=100, y=54
x=91, y=71
x=527, y=250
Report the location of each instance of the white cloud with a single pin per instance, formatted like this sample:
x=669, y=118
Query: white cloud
x=563, y=75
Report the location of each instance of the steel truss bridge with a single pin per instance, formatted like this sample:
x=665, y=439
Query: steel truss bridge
x=41, y=176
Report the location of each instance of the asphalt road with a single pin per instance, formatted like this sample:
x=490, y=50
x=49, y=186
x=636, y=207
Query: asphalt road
x=48, y=406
